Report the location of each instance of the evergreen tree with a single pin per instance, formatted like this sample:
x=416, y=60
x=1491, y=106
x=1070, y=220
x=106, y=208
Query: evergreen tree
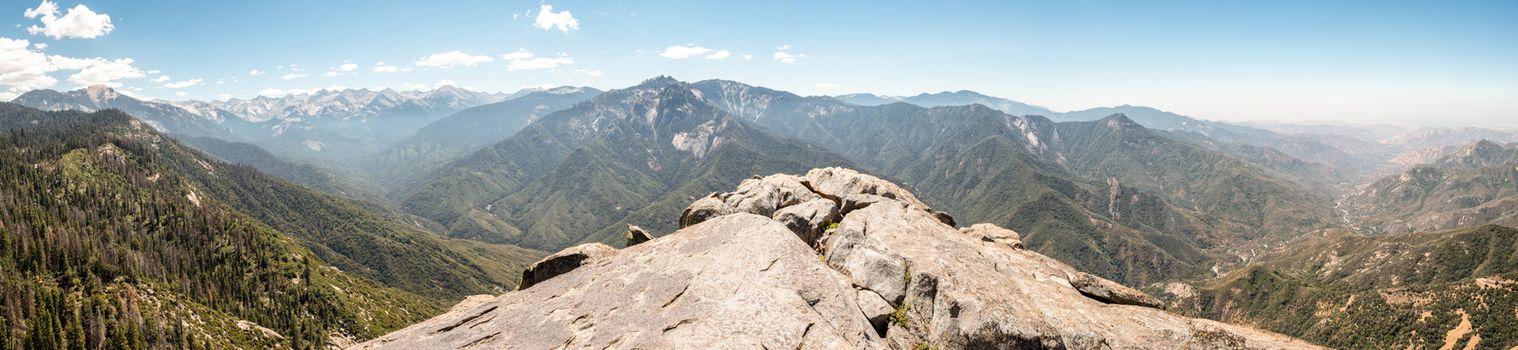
x=119, y=338
x=75, y=332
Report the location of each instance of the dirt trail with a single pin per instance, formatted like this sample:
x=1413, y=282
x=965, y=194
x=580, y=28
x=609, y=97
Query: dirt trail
x=1452, y=338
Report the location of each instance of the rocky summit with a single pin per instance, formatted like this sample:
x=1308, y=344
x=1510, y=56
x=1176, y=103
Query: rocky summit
x=833, y=259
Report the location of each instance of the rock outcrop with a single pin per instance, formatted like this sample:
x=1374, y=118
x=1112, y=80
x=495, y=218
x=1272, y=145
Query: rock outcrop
x=563, y=262
x=834, y=259
x=637, y=235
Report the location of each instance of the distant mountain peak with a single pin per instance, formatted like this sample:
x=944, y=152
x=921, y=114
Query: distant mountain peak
x=100, y=93
x=661, y=80
x=1120, y=121
x=1481, y=152
x=1483, y=144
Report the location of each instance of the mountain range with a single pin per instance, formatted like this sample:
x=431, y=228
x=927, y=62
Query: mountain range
x=418, y=199
x=1472, y=185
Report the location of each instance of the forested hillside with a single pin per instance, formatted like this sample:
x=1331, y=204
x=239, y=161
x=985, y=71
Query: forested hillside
x=1452, y=289
x=117, y=237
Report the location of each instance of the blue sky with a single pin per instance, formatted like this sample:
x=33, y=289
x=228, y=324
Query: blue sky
x=1420, y=63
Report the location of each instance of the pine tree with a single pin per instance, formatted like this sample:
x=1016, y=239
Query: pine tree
x=5, y=338
x=75, y=332
x=136, y=334
x=119, y=337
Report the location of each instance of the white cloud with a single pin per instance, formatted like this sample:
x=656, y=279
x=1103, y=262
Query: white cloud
x=444, y=82
x=79, y=22
x=155, y=71
x=548, y=19
x=748, y=56
x=450, y=59
x=524, y=60
x=160, y=79
x=682, y=52
x=518, y=55
x=181, y=94
x=590, y=72
x=380, y=67
x=345, y=68
x=719, y=55
x=46, y=8
x=22, y=69
x=106, y=72
x=786, y=57
x=182, y=84
x=292, y=76
x=40, y=46
x=255, y=72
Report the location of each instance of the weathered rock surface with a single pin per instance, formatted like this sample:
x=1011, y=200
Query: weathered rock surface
x=892, y=275
x=808, y=219
x=994, y=234
x=563, y=262
x=840, y=182
x=875, y=309
x=760, y=195
x=736, y=281
x=1111, y=292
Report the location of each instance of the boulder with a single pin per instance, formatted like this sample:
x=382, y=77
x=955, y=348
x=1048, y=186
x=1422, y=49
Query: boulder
x=856, y=201
x=808, y=220
x=875, y=309
x=867, y=263
x=563, y=262
x=1110, y=292
x=704, y=209
x=762, y=196
x=945, y=218
x=636, y=235
x=841, y=182
x=991, y=233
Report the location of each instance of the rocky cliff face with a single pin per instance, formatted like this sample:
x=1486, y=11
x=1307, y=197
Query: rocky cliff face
x=833, y=259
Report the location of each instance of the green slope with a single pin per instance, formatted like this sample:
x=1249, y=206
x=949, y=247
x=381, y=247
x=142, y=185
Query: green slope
x=106, y=245
x=102, y=213
x=1348, y=290
x=1477, y=184
x=1203, y=180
